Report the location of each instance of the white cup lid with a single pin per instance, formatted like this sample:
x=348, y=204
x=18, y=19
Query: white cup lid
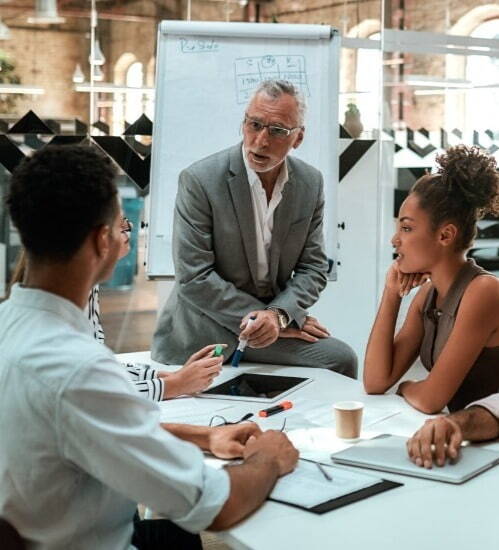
x=348, y=405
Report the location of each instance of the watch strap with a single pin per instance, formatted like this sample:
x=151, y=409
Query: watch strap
x=282, y=316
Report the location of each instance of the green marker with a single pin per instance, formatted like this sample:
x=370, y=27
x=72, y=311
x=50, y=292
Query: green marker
x=219, y=349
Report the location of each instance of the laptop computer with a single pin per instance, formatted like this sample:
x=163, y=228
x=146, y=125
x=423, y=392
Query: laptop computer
x=388, y=453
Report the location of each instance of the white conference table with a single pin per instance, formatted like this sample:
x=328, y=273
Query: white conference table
x=421, y=515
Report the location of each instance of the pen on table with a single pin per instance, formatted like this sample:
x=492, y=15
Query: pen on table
x=241, y=346
x=324, y=473
x=284, y=406
x=321, y=468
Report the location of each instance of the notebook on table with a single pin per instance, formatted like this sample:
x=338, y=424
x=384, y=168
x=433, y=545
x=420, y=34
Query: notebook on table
x=320, y=488
x=388, y=453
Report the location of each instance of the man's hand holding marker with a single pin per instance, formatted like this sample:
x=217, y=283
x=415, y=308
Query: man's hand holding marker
x=242, y=343
x=262, y=331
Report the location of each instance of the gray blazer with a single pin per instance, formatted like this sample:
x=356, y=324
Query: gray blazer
x=214, y=251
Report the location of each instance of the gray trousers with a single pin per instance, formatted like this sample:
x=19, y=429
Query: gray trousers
x=327, y=353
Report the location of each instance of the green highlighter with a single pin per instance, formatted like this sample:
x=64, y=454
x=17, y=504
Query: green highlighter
x=217, y=352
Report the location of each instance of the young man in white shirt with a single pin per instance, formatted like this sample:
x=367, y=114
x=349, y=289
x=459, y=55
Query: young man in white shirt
x=80, y=446
x=440, y=438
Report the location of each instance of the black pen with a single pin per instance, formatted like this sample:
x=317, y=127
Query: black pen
x=324, y=473
x=321, y=468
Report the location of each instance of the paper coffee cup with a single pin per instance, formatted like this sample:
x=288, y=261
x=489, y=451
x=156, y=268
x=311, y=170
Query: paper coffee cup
x=348, y=416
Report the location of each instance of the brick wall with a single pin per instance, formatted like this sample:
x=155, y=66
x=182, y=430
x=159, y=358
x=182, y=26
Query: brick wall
x=340, y=14
x=47, y=58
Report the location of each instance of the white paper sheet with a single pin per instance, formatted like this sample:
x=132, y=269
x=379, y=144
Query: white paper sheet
x=321, y=413
x=306, y=486
x=188, y=410
x=294, y=421
x=318, y=443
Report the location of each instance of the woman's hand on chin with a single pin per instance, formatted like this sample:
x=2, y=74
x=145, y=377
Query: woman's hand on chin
x=402, y=283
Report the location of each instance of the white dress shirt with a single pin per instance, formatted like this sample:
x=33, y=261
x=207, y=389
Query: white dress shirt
x=79, y=445
x=264, y=216
x=491, y=403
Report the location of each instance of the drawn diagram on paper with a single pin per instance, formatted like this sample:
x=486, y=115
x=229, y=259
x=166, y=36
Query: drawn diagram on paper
x=251, y=71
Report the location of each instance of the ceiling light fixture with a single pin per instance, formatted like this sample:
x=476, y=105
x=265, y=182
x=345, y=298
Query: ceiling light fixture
x=46, y=12
x=4, y=31
x=98, y=74
x=78, y=75
x=98, y=56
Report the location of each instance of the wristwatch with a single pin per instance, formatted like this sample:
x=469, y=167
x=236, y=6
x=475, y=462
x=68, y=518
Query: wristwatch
x=282, y=317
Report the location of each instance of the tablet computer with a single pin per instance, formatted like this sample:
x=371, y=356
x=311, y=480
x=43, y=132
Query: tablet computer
x=388, y=453
x=256, y=387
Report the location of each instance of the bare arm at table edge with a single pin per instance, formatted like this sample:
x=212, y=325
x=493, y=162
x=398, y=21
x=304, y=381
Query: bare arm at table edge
x=388, y=355
x=477, y=423
x=266, y=457
x=440, y=438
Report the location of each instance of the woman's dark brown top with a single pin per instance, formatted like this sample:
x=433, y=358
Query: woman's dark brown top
x=483, y=377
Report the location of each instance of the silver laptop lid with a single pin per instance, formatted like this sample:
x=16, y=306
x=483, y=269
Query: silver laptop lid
x=388, y=453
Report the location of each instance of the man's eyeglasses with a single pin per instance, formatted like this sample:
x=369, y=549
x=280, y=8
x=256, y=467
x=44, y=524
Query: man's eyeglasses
x=274, y=131
x=126, y=225
x=219, y=420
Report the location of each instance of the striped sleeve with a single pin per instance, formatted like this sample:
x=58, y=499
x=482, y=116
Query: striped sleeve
x=146, y=381
x=151, y=389
x=93, y=314
x=140, y=371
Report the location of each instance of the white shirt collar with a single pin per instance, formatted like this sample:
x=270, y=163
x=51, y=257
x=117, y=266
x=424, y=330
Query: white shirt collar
x=59, y=306
x=253, y=177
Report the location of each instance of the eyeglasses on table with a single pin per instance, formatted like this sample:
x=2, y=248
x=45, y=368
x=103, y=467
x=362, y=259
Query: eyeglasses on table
x=219, y=420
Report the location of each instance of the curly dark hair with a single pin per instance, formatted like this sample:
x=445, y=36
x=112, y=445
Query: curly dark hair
x=464, y=189
x=58, y=195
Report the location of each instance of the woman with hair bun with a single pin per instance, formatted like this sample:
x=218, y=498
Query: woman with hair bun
x=453, y=321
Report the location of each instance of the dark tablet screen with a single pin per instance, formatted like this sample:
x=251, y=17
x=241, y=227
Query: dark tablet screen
x=256, y=385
